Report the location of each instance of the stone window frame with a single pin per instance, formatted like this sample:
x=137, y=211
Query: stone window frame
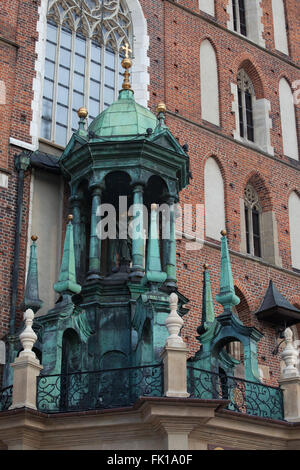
x=252, y=207
x=239, y=17
x=254, y=25
x=81, y=32
x=246, y=96
x=268, y=227
x=261, y=107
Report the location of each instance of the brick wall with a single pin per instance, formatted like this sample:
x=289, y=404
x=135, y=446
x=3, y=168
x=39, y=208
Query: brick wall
x=17, y=56
x=176, y=30
x=175, y=78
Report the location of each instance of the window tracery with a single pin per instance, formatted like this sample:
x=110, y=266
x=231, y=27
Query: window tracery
x=83, y=61
x=252, y=218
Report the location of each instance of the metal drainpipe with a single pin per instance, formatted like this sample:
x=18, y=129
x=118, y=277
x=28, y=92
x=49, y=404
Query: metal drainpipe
x=22, y=162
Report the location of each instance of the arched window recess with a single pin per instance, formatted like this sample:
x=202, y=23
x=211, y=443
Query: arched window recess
x=245, y=101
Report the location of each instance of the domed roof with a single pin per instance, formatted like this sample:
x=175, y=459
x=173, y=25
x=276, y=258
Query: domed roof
x=123, y=119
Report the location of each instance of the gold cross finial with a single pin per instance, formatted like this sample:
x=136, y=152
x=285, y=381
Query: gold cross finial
x=127, y=50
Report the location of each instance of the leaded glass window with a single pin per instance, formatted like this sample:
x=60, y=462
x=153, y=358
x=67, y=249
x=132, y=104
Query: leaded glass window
x=245, y=103
x=252, y=221
x=83, y=61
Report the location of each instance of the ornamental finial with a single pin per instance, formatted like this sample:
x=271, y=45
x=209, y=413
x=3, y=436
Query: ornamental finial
x=28, y=336
x=174, y=324
x=126, y=64
x=161, y=108
x=289, y=355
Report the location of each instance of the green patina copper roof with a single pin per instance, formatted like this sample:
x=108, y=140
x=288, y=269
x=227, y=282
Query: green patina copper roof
x=123, y=118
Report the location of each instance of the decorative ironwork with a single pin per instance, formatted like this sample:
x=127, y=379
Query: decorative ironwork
x=247, y=397
x=113, y=388
x=6, y=398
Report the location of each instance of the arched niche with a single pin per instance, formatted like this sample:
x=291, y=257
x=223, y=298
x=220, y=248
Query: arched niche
x=71, y=352
x=214, y=199
x=113, y=360
x=147, y=343
x=294, y=219
x=209, y=83
x=288, y=120
x=279, y=25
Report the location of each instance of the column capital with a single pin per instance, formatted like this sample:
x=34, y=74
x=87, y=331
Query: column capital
x=138, y=186
x=75, y=200
x=97, y=187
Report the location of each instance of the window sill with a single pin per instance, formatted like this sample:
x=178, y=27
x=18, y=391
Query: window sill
x=50, y=147
x=250, y=144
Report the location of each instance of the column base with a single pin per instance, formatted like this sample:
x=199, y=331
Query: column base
x=93, y=276
x=136, y=274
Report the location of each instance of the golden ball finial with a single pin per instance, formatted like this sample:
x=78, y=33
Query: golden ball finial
x=126, y=63
x=34, y=238
x=161, y=108
x=206, y=266
x=223, y=233
x=70, y=217
x=82, y=112
x=153, y=206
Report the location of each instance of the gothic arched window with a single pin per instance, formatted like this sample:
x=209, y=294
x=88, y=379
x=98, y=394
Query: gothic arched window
x=245, y=102
x=252, y=221
x=82, y=63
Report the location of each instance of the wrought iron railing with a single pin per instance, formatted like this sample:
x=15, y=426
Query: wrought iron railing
x=113, y=388
x=6, y=398
x=247, y=397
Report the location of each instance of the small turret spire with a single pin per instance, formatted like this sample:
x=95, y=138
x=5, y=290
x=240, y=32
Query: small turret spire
x=31, y=299
x=67, y=277
x=227, y=296
x=208, y=312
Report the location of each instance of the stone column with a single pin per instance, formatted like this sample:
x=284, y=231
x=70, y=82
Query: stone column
x=138, y=234
x=26, y=368
x=174, y=355
x=76, y=209
x=95, y=241
x=171, y=250
x=290, y=380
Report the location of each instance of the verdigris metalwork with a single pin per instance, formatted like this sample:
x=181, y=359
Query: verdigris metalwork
x=111, y=388
x=67, y=277
x=252, y=398
x=31, y=299
x=215, y=333
x=113, y=294
x=6, y=398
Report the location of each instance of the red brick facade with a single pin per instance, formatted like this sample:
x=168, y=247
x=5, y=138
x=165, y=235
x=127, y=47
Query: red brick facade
x=176, y=30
